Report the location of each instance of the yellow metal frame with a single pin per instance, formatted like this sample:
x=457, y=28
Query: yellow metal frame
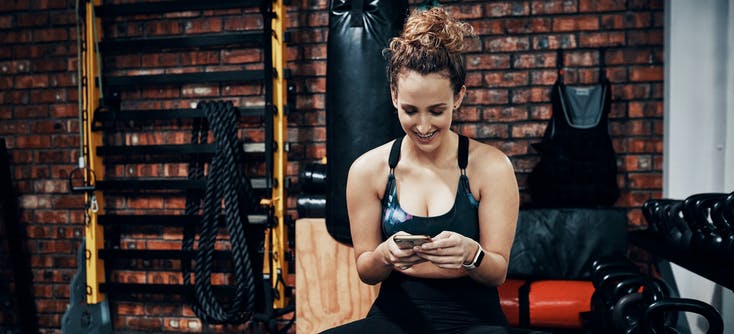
x=276, y=256
x=93, y=232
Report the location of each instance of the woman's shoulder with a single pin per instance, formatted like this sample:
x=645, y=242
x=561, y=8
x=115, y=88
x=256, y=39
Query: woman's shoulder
x=488, y=159
x=373, y=161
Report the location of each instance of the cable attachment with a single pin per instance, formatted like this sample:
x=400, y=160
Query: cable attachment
x=82, y=179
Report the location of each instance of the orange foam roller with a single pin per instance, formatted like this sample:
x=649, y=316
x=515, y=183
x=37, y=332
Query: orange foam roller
x=559, y=304
x=510, y=301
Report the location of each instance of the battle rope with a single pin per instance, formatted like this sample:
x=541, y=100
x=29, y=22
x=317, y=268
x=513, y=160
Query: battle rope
x=225, y=183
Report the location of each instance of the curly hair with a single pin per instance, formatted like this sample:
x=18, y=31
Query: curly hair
x=431, y=42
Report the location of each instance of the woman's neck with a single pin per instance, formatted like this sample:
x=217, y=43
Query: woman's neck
x=442, y=157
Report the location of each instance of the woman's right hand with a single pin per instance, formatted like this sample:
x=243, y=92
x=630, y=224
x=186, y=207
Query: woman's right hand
x=396, y=257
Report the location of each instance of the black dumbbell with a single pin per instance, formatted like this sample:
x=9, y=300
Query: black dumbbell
x=653, y=319
x=629, y=309
x=705, y=241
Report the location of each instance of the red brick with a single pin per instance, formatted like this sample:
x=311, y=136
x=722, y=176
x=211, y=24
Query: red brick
x=6, y=21
x=528, y=25
x=617, y=74
x=547, y=77
x=554, y=6
x=601, y=5
x=564, y=41
x=320, y=19
x=633, y=199
x=533, y=60
x=486, y=96
x=528, y=130
x=506, y=44
x=467, y=114
x=575, y=23
x=506, y=79
x=317, y=35
x=646, y=73
x=505, y=114
x=466, y=11
x=50, y=35
x=581, y=58
x=144, y=323
x=593, y=40
x=542, y=111
x=495, y=9
x=28, y=19
x=42, y=127
x=631, y=92
x=525, y=95
x=487, y=61
x=485, y=130
x=645, y=4
x=637, y=163
x=488, y=27
x=645, y=181
x=645, y=145
x=645, y=37
x=50, y=65
x=645, y=109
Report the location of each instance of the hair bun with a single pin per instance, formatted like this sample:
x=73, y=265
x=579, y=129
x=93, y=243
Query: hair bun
x=435, y=29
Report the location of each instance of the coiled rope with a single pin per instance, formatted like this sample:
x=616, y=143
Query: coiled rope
x=227, y=185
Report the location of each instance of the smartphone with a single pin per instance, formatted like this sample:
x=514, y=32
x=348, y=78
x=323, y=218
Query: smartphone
x=410, y=241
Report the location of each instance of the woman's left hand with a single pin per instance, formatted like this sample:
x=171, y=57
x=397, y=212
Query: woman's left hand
x=449, y=250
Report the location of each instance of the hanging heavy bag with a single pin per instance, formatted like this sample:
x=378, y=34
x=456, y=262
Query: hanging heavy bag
x=578, y=166
x=359, y=112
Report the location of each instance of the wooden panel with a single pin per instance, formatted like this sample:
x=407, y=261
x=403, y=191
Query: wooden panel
x=328, y=289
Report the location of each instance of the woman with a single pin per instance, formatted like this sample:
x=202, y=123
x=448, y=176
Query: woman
x=460, y=192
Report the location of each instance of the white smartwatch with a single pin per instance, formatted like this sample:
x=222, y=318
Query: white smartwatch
x=477, y=259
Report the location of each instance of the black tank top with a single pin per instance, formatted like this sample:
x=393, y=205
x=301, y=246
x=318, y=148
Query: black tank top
x=434, y=305
x=462, y=218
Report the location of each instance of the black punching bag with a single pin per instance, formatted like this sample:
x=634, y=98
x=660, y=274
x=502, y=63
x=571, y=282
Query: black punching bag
x=359, y=111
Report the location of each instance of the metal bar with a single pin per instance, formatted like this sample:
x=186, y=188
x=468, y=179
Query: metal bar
x=183, y=78
x=153, y=254
x=93, y=232
x=279, y=241
x=167, y=289
x=166, y=220
x=171, y=6
x=164, y=184
x=135, y=45
x=206, y=150
x=160, y=115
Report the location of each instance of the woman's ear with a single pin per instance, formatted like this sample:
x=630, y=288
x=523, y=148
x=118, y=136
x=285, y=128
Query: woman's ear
x=394, y=96
x=459, y=97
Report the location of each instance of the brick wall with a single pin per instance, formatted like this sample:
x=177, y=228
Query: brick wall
x=511, y=68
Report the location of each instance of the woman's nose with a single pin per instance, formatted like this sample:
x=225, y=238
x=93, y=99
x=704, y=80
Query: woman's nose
x=424, y=124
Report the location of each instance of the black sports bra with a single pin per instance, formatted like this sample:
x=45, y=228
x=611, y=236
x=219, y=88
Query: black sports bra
x=463, y=217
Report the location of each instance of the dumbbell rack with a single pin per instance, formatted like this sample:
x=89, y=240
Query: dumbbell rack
x=714, y=268
x=108, y=150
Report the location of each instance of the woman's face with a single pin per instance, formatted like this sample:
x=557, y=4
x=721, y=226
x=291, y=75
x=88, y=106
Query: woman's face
x=425, y=105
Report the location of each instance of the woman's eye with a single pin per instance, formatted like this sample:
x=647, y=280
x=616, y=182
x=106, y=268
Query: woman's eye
x=410, y=111
x=438, y=112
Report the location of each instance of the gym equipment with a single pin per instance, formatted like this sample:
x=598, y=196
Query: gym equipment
x=13, y=233
x=101, y=110
x=705, y=241
x=82, y=317
x=631, y=306
x=577, y=166
x=311, y=205
x=359, y=110
x=651, y=321
x=312, y=179
x=547, y=243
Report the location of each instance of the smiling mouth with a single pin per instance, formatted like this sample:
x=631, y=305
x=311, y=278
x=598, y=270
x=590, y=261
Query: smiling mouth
x=426, y=136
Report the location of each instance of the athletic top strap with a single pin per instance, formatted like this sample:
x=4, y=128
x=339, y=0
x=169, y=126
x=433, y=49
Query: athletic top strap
x=463, y=152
